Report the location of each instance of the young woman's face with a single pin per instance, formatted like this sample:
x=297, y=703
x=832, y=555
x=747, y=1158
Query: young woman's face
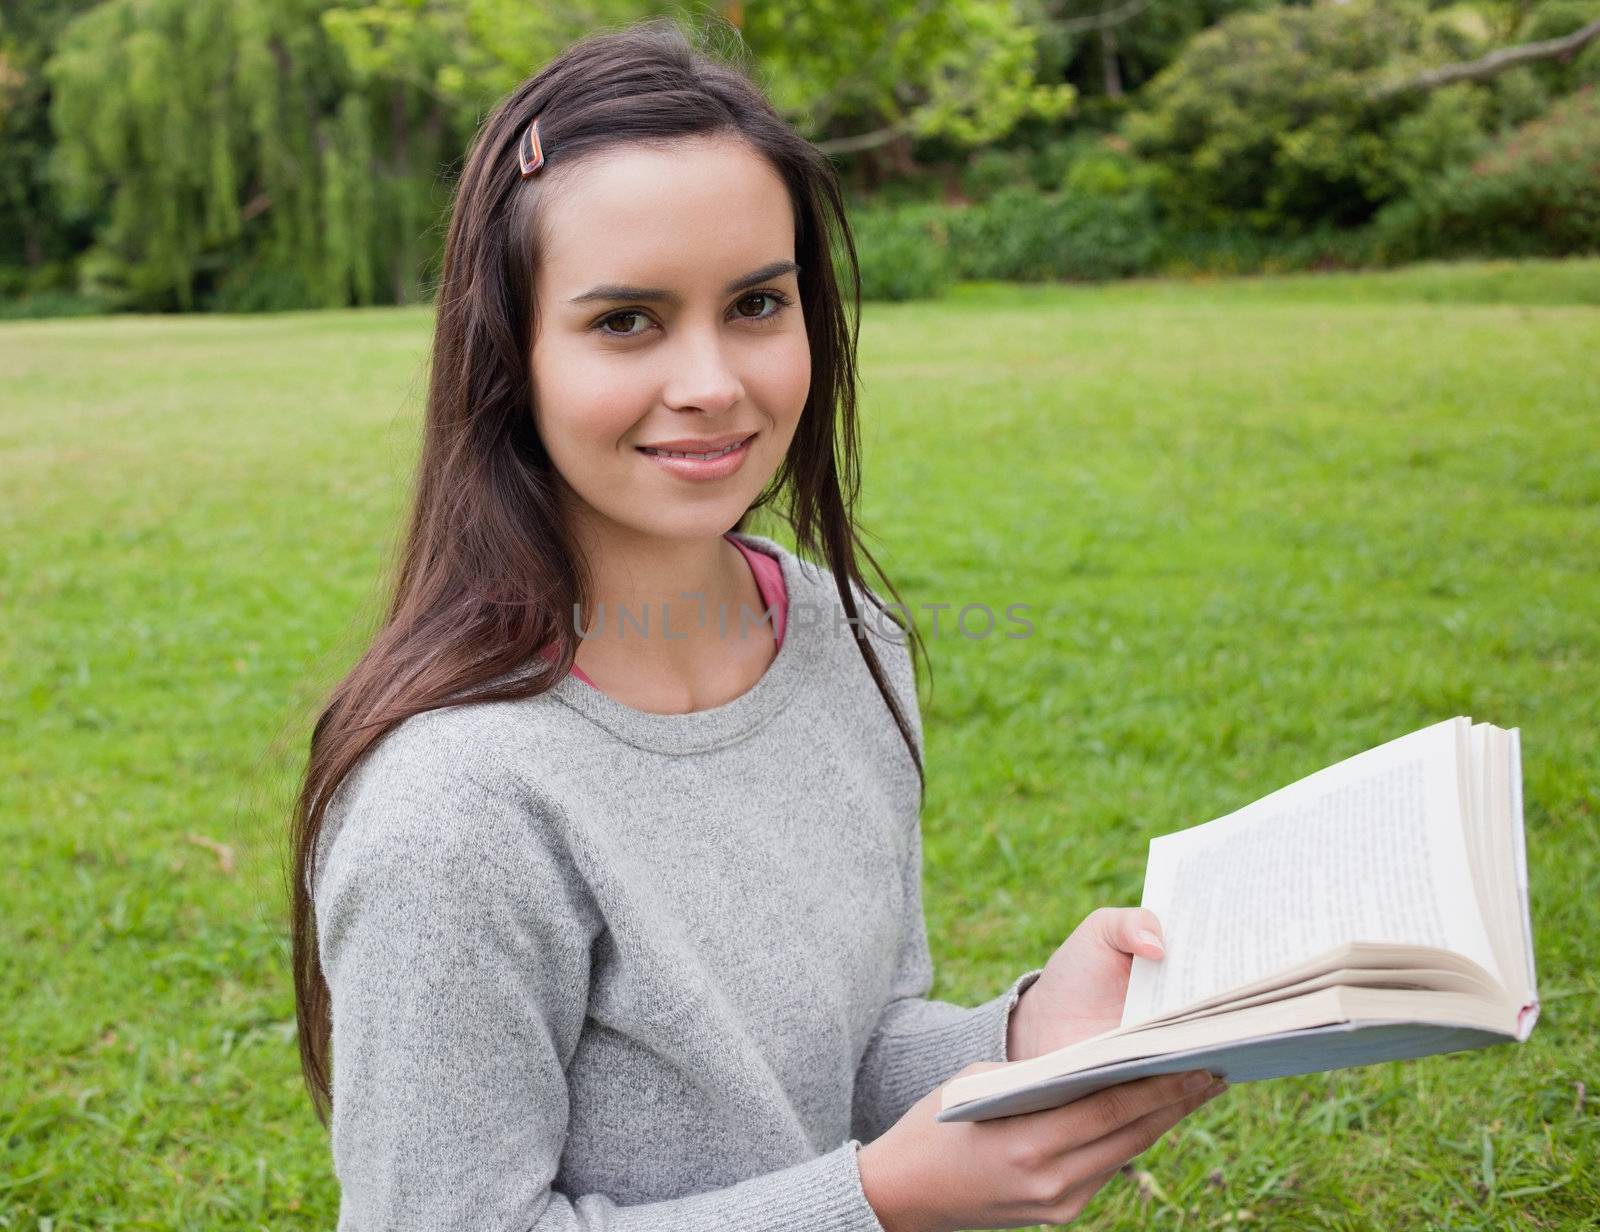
x=668, y=310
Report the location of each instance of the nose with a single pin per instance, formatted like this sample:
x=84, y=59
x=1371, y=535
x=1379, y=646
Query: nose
x=702, y=374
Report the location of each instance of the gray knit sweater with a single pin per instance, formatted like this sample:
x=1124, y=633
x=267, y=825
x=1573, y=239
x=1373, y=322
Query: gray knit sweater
x=594, y=967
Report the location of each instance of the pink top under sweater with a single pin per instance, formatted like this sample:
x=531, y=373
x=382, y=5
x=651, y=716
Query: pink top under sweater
x=769, y=581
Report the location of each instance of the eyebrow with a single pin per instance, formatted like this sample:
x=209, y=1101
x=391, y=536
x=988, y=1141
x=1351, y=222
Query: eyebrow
x=611, y=291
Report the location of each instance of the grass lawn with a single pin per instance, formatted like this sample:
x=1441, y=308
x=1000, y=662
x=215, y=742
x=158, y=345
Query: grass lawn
x=1261, y=525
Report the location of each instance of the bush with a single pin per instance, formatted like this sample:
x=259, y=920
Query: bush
x=1533, y=193
x=1264, y=116
x=904, y=251
x=1242, y=250
x=107, y=277
x=1447, y=132
x=1042, y=162
x=254, y=285
x=1105, y=167
x=990, y=170
x=1269, y=117
x=1023, y=235
x=41, y=304
x=1054, y=159
x=17, y=281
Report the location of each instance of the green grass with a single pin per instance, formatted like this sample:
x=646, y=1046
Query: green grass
x=1261, y=525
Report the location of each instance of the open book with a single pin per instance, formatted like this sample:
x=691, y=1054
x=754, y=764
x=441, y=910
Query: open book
x=1374, y=911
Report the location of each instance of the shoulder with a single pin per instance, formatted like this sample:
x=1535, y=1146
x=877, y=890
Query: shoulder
x=429, y=752
x=434, y=842
x=442, y=789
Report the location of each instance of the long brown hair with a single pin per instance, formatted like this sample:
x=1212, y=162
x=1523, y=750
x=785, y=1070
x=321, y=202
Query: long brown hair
x=487, y=573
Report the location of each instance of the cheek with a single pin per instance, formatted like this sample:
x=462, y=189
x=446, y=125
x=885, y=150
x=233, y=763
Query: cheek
x=784, y=378
x=583, y=403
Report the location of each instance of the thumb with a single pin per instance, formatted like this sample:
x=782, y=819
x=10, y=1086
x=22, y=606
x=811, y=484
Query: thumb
x=1135, y=930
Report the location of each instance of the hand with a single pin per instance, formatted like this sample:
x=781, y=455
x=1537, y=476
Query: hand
x=1085, y=982
x=924, y=1175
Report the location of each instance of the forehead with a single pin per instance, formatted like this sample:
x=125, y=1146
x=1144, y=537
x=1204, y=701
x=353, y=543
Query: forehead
x=694, y=209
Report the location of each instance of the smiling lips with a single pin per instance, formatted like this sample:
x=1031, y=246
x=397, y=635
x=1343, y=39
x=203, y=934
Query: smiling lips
x=703, y=450
x=714, y=459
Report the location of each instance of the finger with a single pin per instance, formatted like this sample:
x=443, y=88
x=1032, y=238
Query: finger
x=1107, y=1111
x=1121, y=1145
x=1146, y=935
x=1073, y=1202
x=1133, y=930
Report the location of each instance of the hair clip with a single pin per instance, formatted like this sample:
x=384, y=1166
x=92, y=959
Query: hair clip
x=530, y=154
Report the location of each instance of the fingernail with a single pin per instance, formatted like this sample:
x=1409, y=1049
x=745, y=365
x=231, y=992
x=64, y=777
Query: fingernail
x=1217, y=1088
x=1197, y=1081
x=1149, y=938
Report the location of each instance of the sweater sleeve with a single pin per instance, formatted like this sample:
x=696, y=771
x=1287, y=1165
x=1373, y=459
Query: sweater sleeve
x=456, y=1009
x=919, y=1042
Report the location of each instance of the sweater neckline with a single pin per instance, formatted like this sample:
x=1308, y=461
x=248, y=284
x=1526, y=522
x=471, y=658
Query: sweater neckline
x=699, y=730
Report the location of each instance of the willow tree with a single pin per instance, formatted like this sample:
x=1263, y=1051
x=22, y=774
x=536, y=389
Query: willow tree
x=233, y=153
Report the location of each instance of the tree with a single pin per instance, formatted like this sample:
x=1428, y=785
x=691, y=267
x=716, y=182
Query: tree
x=1283, y=117
x=214, y=137
x=854, y=75
x=1110, y=48
x=36, y=242
x=252, y=153
x=1497, y=61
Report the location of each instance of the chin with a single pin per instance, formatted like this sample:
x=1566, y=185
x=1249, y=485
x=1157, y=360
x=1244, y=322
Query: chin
x=687, y=522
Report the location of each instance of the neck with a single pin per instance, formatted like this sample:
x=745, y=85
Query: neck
x=655, y=602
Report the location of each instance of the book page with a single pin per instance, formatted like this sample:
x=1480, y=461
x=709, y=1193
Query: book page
x=1511, y=750
x=1372, y=849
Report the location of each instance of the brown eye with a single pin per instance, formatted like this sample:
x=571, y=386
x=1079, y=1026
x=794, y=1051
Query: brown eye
x=619, y=316
x=779, y=303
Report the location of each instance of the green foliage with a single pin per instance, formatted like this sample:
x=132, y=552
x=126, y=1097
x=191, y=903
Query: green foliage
x=1446, y=131
x=904, y=252
x=1266, y=108
x=1238, y=249
x=211, y=138
x=176, y=109
x=254, y=284
x=37, y=240
x=1536, y=192
x=251, y=154
x=254, y=155
x=965, y=70
x=1029, y=236
x=1552, y=19
x=47, y=277
x=1142, y=41
x=1517, y=95
x=46, y=304
x=1270, y=118
x=1055, y=155
x=988, y=171
x=1102, y=225
x=1043, y=163
x=1104, y=167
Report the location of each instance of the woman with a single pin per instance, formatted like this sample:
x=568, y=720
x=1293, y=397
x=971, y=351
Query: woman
x=608, y=895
